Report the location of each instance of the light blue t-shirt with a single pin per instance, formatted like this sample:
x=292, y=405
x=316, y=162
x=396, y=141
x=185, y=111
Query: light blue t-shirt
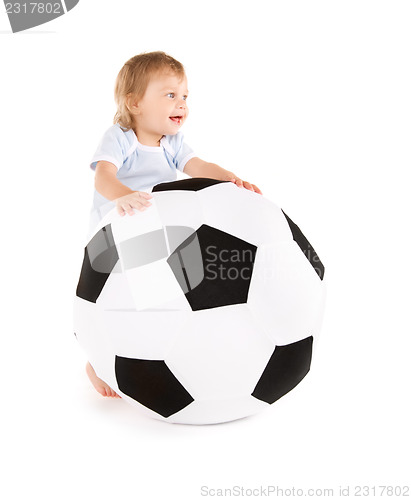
x=139, y=167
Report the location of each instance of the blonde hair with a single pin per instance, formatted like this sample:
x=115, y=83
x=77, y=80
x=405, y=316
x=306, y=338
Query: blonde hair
x=133, y=79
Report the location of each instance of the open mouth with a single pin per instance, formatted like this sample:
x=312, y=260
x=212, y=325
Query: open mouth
x=176, y=119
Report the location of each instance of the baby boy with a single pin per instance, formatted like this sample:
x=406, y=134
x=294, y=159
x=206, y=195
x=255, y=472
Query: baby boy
x=145, y=147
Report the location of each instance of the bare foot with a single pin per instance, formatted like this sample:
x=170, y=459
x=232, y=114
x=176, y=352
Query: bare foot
x=99, y=385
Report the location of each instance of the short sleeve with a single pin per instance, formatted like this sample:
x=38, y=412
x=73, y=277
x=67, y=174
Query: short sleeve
x=112, y=148
x=180, y=151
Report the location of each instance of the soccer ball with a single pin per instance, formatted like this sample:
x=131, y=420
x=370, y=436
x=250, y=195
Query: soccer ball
x=203, y=308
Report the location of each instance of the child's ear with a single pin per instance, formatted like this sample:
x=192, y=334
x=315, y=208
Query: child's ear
x=132, y=104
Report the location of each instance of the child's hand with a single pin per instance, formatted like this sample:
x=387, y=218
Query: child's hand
x=137, y=199
x=240, y=183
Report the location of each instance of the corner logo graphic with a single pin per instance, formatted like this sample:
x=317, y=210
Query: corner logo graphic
x=24, y=15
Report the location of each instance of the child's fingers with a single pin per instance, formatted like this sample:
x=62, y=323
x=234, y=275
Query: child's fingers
x=140, y=204
x=125, y=208
x=143, y=199
x=236, y=181
x=249, y=186
x=129, y=209
x=145, y=195
x=252, y=187
x=120, y=210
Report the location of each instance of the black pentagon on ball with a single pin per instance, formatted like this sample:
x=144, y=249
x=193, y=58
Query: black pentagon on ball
x=306, y=247
x=213, y=268
x=288, y=365
x=100, y=257
x=152, y=384
x=193, y=184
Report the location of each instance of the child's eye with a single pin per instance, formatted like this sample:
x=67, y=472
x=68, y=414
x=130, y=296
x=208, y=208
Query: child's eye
x=171, y=94
x=185, y=97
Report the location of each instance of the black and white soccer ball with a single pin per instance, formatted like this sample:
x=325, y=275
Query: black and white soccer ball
x=203, y=308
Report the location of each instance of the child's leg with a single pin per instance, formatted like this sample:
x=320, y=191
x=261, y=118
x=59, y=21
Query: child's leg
x=99, y=385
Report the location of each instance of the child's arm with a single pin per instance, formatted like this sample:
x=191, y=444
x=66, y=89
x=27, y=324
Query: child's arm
x=200, y=168
x=107, y=184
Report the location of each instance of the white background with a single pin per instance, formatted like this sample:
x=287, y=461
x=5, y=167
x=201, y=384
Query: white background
x=310, y=100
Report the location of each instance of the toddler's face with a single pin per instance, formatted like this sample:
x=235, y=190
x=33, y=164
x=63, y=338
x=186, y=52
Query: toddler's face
x=163, y=108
